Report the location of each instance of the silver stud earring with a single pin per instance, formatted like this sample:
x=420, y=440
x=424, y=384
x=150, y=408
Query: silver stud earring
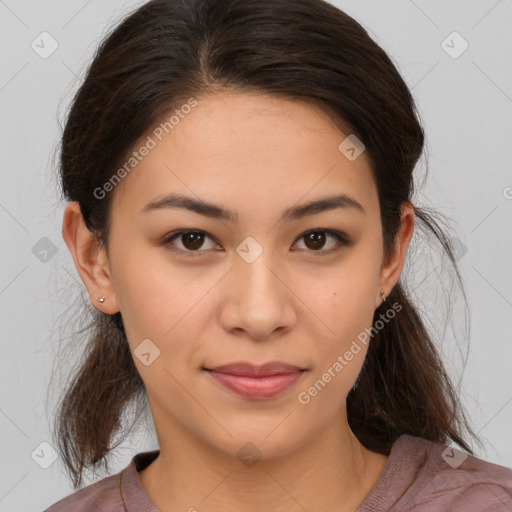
x=102, y=299
x=383, y=297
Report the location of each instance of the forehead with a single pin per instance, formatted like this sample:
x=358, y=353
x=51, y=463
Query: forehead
x=244, y=150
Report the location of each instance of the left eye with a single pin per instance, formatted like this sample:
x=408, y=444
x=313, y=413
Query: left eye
x=192, y=241
x=315, y=239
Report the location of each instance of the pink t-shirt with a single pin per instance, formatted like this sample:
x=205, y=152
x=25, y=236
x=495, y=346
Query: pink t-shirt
x=419, y=475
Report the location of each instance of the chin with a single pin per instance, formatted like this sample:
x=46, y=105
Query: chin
x=258, y=443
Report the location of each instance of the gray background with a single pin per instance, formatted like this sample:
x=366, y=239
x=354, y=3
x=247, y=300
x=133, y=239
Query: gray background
x=466, y=106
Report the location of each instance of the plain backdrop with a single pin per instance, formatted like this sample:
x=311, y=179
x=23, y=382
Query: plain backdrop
x=464, y=95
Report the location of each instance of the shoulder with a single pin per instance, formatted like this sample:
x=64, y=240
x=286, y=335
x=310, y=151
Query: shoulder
x=451, y=479
x=114, y=492
x=102, y=495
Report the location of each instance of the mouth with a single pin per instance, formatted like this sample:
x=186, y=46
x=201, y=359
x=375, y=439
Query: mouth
x=256, y=382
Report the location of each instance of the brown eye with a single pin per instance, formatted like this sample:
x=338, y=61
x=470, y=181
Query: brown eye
x=192, y=240
x=315, y=240
x=189, y=242
x=193, y=243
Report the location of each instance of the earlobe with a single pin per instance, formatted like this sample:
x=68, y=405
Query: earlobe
x=90, y=259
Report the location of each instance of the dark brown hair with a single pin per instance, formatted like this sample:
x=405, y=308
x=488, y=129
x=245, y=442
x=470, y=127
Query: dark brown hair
x=170, y=50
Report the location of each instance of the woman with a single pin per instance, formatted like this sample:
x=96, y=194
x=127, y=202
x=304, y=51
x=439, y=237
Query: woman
x=240, y=178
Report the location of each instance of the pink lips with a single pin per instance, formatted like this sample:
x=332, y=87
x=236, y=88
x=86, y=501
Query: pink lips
x=256, y=382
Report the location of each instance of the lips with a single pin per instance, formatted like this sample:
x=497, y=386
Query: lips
x=256, y=382
x=247, y=369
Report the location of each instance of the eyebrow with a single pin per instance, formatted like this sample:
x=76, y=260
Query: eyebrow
x=322, y=204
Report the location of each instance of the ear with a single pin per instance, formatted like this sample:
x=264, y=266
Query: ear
x=392, y=268
x=90, y=259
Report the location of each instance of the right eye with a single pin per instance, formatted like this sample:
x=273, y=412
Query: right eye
x=191, y=241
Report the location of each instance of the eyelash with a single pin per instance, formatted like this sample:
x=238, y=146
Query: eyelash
x=340, y=237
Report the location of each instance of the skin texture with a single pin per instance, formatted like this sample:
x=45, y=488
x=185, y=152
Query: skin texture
x=257, y=155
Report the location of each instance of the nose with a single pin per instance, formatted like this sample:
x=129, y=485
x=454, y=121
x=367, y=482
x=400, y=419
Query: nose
x=258, y=299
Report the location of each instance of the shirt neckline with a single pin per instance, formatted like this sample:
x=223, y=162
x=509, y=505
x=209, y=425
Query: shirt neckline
x=396, y=475
x=134, y=496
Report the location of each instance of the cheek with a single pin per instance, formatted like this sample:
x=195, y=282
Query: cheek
x=350, y=322
x=154, y=298
x=341, y=353
x=345, y=304
x=338, y=365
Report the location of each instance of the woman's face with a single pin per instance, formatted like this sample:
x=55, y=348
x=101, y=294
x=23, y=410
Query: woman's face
x=254, y=288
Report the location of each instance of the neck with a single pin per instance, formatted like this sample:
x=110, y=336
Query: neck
x=333, y=472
